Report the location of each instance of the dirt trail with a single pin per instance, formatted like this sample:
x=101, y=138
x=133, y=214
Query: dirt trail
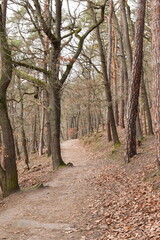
x=55, y=211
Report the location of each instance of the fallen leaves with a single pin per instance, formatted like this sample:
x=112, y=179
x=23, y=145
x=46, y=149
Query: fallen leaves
x=126, y=207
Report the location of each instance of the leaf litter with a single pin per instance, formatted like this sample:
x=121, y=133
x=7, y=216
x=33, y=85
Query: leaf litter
x=127, y=204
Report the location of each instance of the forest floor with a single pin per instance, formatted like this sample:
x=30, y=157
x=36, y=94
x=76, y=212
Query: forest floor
x=100, y=198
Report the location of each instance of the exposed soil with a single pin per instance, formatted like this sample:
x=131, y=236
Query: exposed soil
x=54, y=211
x=100, y=198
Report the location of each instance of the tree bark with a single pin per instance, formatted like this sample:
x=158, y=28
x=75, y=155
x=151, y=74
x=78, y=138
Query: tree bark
x=8, y=171
x=34, y=133
x=47, y=18
x=55, y=119
x=135, y=84
x=126, y=38
x=156, y=72
x=123, y=73
x=46, y=94
x=4, y=12
x=24, y=146
x=122, y=97
x=41, y=137
x=139, y=133
x=18, y=154
x=114, y=80
x=23, y=134
x=146, y=103
x=106, y=83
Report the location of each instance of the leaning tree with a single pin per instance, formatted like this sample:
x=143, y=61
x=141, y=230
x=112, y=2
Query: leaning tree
x=132, y=110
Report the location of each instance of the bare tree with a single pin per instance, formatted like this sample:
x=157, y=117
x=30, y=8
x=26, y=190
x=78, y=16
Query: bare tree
x=55, y=80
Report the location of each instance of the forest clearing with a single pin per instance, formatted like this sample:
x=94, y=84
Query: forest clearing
x=80, y=119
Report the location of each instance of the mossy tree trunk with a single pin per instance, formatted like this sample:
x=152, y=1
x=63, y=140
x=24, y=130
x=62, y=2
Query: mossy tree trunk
x=8, y=170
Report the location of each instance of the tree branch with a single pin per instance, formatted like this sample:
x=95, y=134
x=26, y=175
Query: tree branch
x=26, y=65
x=80, y=45
x=18, y=101
x=29, y=78
x=45, y=28
x=90, y=61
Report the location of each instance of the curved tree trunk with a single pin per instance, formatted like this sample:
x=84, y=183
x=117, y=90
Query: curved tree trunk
x=8, y=170
x=8, y=175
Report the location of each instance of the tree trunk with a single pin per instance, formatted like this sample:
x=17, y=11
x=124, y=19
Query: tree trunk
x=149, y=118
x=122, y=101
x=114, y=80
x=9, y=178
x=18, y=155
x=46, y=95
x=4, y=12
x=24, y=146
x=139, y=133
x=106, y=84
x=126, y=38
x=109, y=59
x=156, y=72
x=48, y=123
x=135, y=84
x=109, y=134
x=12, y=114
x=41, y=140
x=8, y=171
x=33, y=135
x=144, y=120
x=23, y=135
x=123, y=73
x=55, y=119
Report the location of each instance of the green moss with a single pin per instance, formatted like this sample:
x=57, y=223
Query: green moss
x=10, y=185
x=29, y=78
x=117, y=145
x=62, y=166
x=36, y=186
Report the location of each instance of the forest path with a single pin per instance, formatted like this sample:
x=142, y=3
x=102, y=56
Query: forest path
x=55, y=211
